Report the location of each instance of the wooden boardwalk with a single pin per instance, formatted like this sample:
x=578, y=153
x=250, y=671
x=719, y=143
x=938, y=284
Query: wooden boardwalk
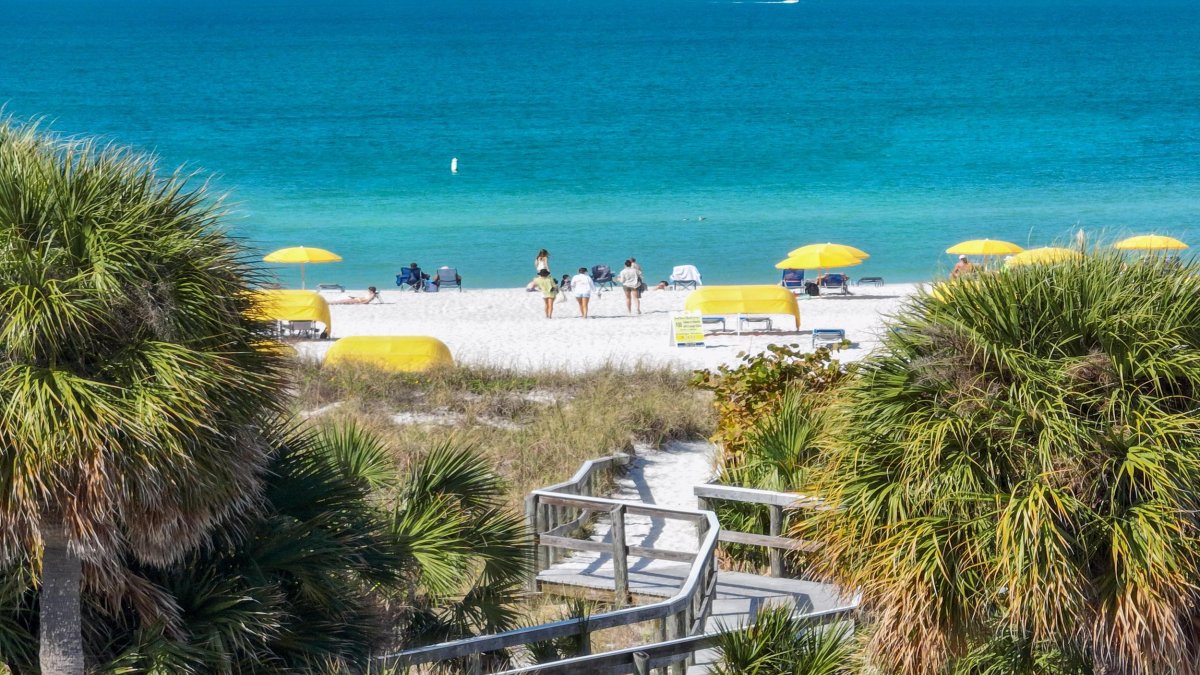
x=739, y=596
x=655, y=565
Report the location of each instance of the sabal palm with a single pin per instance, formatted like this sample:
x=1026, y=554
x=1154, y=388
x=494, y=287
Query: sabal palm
x=780, y=643
x=344, y=560
x=1020, y=463
x=132, y=379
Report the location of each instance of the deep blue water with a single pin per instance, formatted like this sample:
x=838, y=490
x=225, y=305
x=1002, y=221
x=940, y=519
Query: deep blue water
x=604, y=129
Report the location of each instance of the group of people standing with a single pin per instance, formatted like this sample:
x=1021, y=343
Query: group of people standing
x=582, y=286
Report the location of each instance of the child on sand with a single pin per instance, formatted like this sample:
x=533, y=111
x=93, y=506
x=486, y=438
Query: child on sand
x=582, y=287
x=545, y=283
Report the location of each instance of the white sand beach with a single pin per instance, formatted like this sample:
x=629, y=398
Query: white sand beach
x=505, y=327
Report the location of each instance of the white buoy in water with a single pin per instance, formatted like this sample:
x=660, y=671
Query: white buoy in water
x=454, y=165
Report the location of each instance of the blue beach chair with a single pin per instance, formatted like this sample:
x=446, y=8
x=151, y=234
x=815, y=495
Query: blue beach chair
x=793, y=279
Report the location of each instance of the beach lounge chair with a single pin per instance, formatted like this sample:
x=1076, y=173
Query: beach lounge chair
x=409, y=277
x=331, y=287
x=601, y=275
x=828, y=336
x=876, y=281
x=301, y=329
x=793, y=279
x=712, y=321
x=685, y=276
x=836, y=280
x=743, y=320
x=448, y=276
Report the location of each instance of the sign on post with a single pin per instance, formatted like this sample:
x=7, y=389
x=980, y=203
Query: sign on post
x=688, y=330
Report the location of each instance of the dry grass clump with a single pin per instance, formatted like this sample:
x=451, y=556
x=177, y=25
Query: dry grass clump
x=535, y=428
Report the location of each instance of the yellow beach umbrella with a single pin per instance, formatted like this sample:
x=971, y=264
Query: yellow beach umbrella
x=302, y=255
x=1042, y=256
x=1150, y=242
x=984, y=247
x=857, y=253
x=817, y=257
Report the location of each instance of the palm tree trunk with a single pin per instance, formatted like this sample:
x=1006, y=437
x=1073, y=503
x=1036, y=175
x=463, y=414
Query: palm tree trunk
x=61, y=640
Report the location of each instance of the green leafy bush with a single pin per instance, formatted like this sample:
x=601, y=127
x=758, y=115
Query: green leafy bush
x=752, y=391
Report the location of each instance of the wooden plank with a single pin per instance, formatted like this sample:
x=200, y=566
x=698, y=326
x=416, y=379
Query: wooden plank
x=752, y=496
x=574, y=544
x=768, y=541
x=662, y=554
x=664, y=512
x=567, y=528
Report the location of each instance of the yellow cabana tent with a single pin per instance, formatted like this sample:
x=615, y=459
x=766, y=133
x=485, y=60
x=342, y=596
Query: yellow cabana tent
x=737, y=300
x=291, y=305
x=400, y=353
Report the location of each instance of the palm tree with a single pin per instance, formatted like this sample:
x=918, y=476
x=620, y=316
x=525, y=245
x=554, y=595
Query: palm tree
x=134, y=382
x=336, y=567
x=780, y=643
x=1016, y=475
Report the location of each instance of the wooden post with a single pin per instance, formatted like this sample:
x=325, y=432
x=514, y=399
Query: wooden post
x=678, y=667
x=776, y=530
x=585, y=639
x=531, y=504
x=543, y=553
x=620, y=555
x=641, y=663
x=551, y=523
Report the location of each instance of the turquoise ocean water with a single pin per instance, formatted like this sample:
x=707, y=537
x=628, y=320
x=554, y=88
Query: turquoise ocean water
x=601, y=129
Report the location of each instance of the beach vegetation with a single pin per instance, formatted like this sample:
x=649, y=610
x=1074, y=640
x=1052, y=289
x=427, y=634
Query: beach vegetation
x=346, y=559
x=536, y=428
x=134, y=380
x=780, y=643
x=773, y=420
x=1014, y=476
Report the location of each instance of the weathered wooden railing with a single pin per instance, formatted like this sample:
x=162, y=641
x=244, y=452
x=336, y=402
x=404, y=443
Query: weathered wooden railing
x=641, y=659
x=552, y=521
x=776, y=502
x=555, y=516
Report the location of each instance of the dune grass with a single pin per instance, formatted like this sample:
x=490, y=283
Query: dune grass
x=535, y=428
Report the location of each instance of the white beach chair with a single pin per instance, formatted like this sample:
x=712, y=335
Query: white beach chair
x=685, y=276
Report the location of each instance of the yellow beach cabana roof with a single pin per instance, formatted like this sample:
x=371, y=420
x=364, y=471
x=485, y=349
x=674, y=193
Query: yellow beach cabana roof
x=743, y=300
x=292, y=305
x=398, y=353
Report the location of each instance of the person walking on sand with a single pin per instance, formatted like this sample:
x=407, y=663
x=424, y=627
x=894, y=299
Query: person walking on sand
x=542, y=261
x=962, y=268
x=631, y=281
x=545, y=283
x=582, y=287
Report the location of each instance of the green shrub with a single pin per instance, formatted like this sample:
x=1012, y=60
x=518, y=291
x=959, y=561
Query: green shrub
x=753, y=390
x=1021, y=457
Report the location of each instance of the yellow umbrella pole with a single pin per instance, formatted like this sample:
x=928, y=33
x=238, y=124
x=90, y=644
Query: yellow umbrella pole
x=301, y=276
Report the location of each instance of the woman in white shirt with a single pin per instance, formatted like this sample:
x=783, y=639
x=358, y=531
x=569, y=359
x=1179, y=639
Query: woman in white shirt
x=582, y=287
x=631, y=280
